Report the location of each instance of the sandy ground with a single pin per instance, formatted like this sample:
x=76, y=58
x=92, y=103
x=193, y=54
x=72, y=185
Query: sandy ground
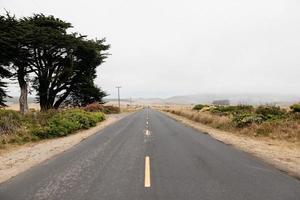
x=21, y=158
x=283, y=155
x=16, y=106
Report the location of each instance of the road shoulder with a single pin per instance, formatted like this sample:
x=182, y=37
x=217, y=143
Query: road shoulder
x=285, y=156
x=21, y=158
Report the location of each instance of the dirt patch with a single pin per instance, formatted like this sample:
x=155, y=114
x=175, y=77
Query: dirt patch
x=20, y=158
x=283, y=155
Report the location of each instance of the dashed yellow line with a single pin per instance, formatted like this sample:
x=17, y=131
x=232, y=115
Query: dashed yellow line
x=147, y=172
x=147, y=132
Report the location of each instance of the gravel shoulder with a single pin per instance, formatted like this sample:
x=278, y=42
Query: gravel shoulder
x=285, y=156
x=21, y=158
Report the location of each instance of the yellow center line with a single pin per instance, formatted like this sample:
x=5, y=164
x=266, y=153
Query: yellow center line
x=147, y=172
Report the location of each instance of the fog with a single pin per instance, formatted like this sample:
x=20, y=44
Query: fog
x=170, y=47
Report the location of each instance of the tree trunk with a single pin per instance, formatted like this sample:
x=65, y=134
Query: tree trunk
x=23, y=91
x=44, y=94
x=44, y=103
x=23, y=98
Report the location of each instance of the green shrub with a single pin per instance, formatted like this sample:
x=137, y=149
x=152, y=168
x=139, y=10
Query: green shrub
x=232, y=110
x=295, y=108
x=199, y=107
x=246, y=119
x=271, y=112
x=39, y=118
x=18, y=129
x=66, y=122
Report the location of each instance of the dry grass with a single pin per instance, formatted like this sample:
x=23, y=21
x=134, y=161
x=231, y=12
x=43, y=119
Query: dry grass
x=130, y=109
x=16, y=106
x=288, y=130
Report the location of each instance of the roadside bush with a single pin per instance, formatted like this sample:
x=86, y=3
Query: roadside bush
x=111, y=110
x=199, y=107
x=96, y=107
x=66, y=122
x=10, y=121
x=16, y=128
x=232, y=110
x=271, y=112
x=246, y=119
x=295, y=108
x=39, y=118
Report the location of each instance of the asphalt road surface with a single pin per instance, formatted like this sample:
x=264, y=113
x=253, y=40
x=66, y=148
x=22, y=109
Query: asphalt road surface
x=148, y=156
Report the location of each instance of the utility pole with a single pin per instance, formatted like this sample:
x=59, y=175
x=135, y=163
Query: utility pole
x=118, y=87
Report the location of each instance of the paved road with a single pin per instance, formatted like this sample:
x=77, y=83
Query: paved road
x=168, y=162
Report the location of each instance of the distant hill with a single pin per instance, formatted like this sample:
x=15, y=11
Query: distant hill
x=253, y=99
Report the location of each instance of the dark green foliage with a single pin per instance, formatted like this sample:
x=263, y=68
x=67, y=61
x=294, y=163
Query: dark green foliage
x=3, y=94
x=63, y=61
x=12, y=54
x=68, y=61
x=199, y=107
x=4, y=73
x=245, y=115
x=259, y=115
x=232, y=110
x=295, y=108
x=85, y=93
x=271, y=112
x=60, y=65
x=67, y=122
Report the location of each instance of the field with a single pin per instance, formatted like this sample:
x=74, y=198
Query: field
x=262, y=121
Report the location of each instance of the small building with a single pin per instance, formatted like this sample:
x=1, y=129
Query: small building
x=222, y=102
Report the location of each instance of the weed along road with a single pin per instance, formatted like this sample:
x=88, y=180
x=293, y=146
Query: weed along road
x=148, y=156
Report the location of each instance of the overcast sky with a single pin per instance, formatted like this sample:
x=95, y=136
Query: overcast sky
x=162, y=48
